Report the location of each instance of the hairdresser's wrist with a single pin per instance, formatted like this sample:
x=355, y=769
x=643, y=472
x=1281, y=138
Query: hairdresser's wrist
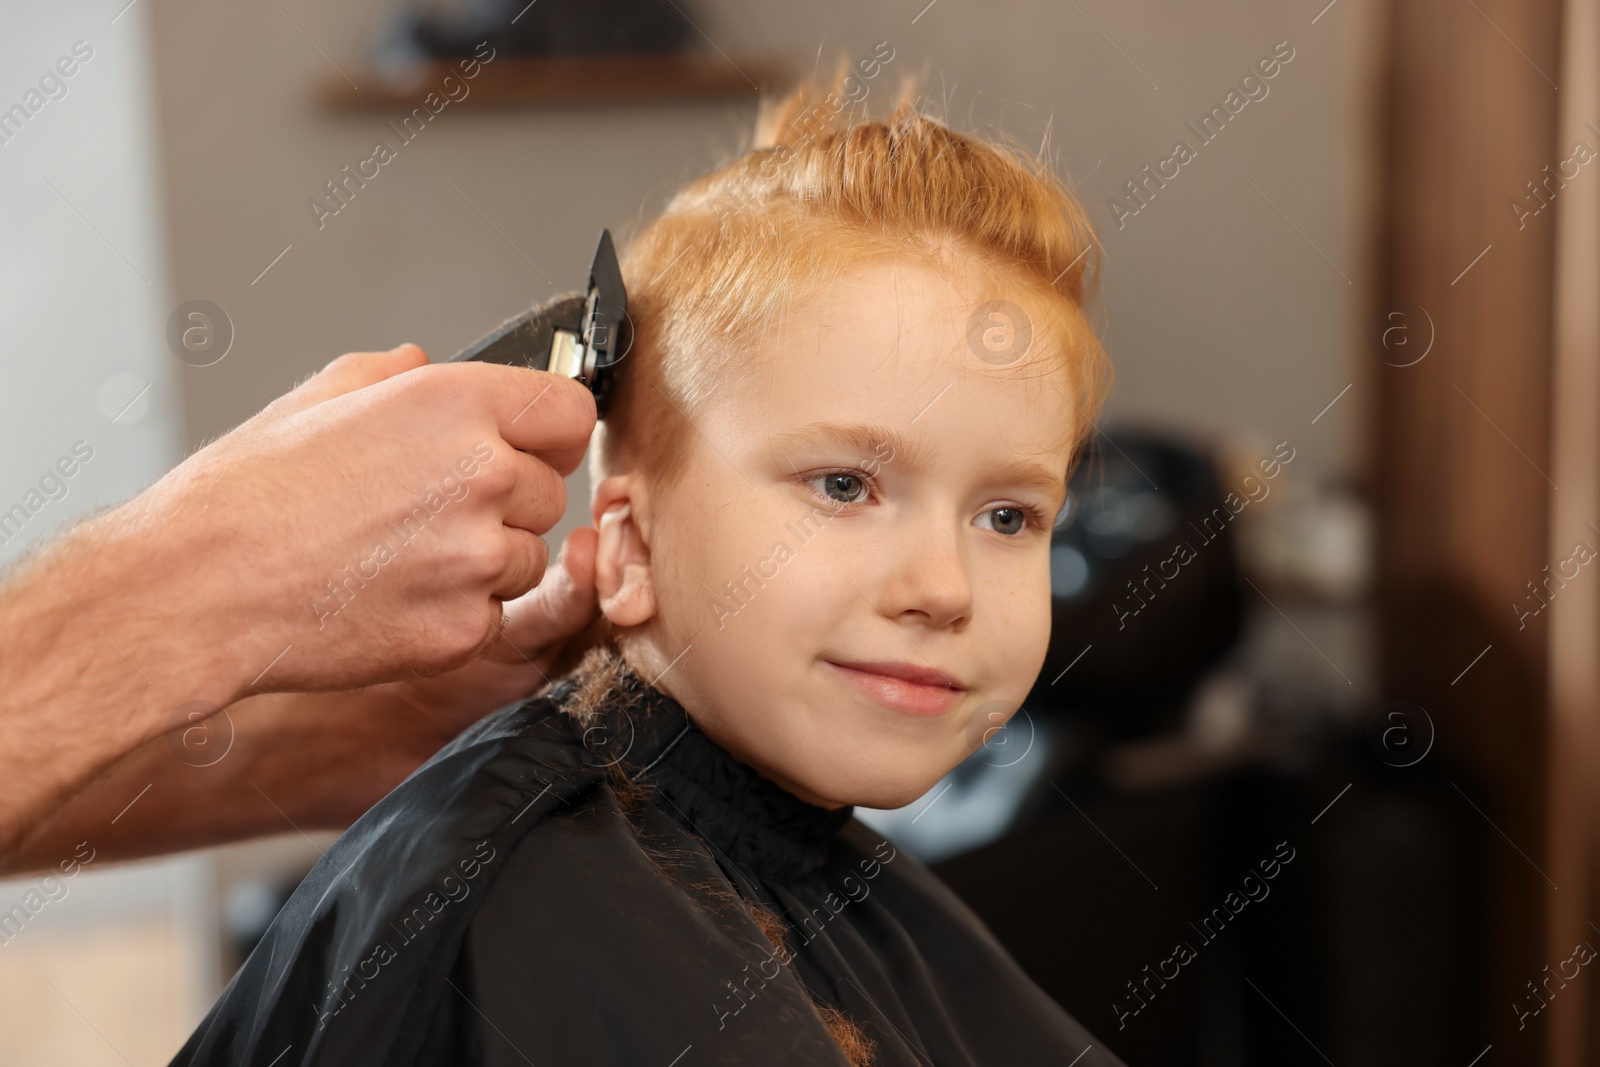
x=164, y=588
x=321, y=758
x=325, y=758
x=107, y=638
x=404, y=723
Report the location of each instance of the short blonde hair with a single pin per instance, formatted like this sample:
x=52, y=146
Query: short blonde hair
x=821, y=189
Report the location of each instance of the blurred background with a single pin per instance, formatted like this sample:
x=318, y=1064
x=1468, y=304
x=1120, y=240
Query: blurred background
x=1338, y=745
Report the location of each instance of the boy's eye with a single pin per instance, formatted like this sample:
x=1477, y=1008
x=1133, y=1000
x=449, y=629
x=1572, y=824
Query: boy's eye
x=1007, y=520
x=841, y=486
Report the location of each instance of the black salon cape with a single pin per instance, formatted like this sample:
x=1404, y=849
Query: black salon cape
x=496, y=908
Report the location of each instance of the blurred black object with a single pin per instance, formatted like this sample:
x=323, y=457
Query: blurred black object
x=1127, y=645
x=1365, y=951
x=519, y=28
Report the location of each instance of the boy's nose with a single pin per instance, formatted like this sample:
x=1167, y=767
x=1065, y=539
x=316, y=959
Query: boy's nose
x=926, y=579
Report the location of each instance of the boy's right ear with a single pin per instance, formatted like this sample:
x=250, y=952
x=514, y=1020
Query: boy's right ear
x=623, y=579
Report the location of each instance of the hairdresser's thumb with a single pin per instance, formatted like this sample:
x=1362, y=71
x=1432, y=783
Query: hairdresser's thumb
x=563, y=604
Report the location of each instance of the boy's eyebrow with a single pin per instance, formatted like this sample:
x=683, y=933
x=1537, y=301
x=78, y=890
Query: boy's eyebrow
x=1031, y=476
x=867, y=441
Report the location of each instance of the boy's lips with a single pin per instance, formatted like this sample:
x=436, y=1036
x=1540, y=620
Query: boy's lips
x=905, y=687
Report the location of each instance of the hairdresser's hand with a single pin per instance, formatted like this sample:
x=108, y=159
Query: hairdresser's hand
x=278, y=762
x=544, y=636
x=367, y=525
x=362, y=528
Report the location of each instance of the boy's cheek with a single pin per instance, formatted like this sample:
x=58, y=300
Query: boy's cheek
x=1015, y=611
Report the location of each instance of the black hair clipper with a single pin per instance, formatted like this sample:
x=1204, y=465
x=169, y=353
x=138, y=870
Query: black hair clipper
x=577, y=335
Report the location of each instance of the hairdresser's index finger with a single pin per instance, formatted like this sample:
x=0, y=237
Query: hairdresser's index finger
x=544, y=414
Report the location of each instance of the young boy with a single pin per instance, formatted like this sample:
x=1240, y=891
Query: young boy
x=824, y=492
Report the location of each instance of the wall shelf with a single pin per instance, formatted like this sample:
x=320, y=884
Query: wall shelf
x=513, y=81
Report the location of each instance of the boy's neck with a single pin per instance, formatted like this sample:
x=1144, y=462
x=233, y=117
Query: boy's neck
x=632, y=658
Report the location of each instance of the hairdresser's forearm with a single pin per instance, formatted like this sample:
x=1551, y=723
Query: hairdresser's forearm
x=284, y=762
x=107, y=633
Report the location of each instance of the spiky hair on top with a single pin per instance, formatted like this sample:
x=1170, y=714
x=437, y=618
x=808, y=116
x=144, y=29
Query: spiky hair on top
x=822, y=188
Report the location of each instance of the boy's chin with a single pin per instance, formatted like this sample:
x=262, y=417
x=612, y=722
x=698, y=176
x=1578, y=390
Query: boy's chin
x=905, y=789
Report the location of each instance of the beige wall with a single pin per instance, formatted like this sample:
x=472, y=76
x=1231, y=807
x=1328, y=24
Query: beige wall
x=1222, y=319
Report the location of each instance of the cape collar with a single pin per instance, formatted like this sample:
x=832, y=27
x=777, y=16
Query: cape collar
x=755, y=823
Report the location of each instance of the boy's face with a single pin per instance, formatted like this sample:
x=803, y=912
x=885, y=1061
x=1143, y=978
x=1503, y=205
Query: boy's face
x=856, y=555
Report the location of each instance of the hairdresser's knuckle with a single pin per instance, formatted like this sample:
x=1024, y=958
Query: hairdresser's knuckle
x=449, y=381
x=410, y=392
x=447, y=387
x=461, y=635
x=484, y=559
x=497, y=477
x=346, y=363
x=472, y=380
